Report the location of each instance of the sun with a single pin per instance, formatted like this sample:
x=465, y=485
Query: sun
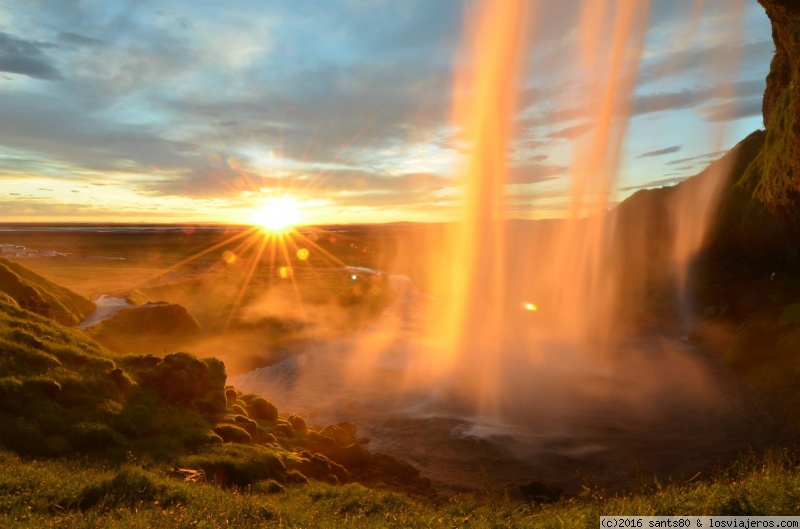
x=278, y=215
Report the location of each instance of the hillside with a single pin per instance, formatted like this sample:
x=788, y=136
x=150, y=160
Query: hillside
x=62, y=394
x=39, y=295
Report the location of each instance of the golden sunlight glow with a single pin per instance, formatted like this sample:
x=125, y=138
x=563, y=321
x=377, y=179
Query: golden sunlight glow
x=278, y=215
x=530, y=307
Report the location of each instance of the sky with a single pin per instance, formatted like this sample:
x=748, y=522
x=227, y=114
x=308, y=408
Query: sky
x=188, y=110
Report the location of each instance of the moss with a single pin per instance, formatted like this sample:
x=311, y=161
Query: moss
x=298, y=423
x=232, y=434
x=247, y=424
x=238, y=464
x=772, y=176
x=238, y=410
x=231, y=395
x=261, y=408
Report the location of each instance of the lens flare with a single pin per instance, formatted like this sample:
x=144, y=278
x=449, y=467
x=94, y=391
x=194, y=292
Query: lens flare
x=278, y=215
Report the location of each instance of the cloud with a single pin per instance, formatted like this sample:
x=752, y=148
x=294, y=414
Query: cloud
x=702, y=158
x=731, y=110
x=652, y=102
x=26, y=57
x=655, y=183
x=571, y=132
x=75, y=39
x=679, y=63
x=692, y=97
x=532, y=173
x=660, y=152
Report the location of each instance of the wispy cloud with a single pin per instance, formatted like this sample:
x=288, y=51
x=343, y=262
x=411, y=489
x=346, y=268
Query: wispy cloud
x=660, y=152
x=655, y=183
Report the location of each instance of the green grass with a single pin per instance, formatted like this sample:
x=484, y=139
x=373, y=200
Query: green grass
x=73, y=493
x=39, y=295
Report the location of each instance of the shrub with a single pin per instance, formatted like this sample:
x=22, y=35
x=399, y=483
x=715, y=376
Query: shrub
x=261, y=408
x=238, y=410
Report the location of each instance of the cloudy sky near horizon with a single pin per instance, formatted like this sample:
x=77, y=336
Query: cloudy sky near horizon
x=179, y=110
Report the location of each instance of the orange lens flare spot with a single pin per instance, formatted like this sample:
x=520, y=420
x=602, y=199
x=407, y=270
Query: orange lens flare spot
x=229, y=257
x=302, y=254
x=530, y=307
x=278, y=215
x=284, y=272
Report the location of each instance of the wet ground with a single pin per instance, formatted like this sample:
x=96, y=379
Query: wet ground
x=661, y=407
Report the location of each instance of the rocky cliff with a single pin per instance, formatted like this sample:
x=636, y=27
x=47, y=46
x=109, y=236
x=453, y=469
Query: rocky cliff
x=774, y=177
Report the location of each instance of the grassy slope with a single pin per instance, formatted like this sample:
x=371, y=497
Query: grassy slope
x=42, y=296
x=72, y=493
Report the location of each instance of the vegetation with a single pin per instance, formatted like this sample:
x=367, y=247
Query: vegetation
x=77, y=493
x=39, y=295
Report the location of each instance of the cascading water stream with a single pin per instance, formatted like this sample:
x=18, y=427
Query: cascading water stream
x=527, y=336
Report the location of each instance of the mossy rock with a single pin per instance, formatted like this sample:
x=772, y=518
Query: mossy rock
x=238, y=410
x=232, y=434
x=231, y=396
x=247, y=424
x=239, y=465
x=183, y=379
x=261, y=408
x=298, y=423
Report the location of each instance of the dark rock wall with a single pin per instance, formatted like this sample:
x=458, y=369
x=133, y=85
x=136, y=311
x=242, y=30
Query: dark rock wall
x=774, y=177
